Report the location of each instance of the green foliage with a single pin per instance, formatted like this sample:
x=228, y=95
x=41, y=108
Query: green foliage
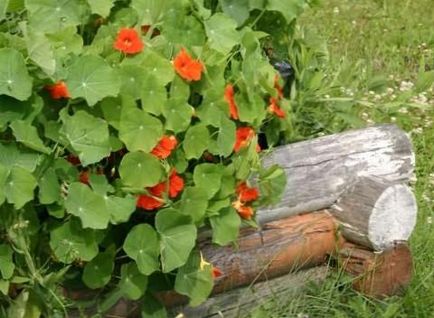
x=117, y=143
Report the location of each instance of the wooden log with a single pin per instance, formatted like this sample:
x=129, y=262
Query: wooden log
x=377, y=274
x=375, y=213
x=241, y=301
x=320, y=170
x=280, y=247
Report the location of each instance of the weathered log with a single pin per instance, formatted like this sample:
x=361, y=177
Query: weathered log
x=240, y=302
x=320, y=170
x=280, y=247
x=375, y=213
x=378, y=274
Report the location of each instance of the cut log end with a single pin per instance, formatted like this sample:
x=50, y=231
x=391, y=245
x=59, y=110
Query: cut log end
x=375, y=213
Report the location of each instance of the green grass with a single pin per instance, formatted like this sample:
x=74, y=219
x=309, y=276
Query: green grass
x=383, y=52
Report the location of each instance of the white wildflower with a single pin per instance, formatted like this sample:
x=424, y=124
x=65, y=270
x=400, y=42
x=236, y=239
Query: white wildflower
x=336, y=10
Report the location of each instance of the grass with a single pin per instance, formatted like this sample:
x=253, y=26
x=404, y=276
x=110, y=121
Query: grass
x=383, y=51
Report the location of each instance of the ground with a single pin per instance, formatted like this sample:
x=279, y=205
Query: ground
x=383, y=50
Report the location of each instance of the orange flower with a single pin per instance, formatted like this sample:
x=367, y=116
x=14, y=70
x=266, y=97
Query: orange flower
x=245, y=212
x=149, y=203
x=216, y=272
x=83, y=177
x=186, y=67
x=246, y=193
x=164, y=147
x=275, y=109
x=229, y=98
x=128, y=41
x=176, y=184
x=277, y=86
x=58, y=90
x=243, y=137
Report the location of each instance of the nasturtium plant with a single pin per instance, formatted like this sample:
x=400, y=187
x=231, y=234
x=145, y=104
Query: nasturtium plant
x=128, y=127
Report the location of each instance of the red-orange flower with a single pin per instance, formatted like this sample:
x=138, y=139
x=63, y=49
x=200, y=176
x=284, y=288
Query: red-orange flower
x=245, y=212
x=277, y=86
x=275, y=109
x=84, y=177
x=164, y=147
x=186, y=67
x=216, y=272
x=246, y=193
x=243, y=137
x=176, y=184
x=74, y=160
x=128, y=41
x=149, y=203
x=58, y=90
x=229, y=98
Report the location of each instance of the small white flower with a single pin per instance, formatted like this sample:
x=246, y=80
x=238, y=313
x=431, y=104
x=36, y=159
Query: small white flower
x=429, y=220
x=336, y=10
x=393, y=119
x=390, y=90
x=403, y=110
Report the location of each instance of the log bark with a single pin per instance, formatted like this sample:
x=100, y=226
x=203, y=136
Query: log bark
x=280, y=247
x=240, y=302
x=377, y=274
x=375, y=213
x=320, y=170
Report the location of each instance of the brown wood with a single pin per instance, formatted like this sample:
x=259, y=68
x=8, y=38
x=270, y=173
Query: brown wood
x=280, y=247
x=377, y=274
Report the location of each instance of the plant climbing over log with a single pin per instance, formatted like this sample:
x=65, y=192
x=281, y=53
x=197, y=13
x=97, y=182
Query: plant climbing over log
x=125, y=128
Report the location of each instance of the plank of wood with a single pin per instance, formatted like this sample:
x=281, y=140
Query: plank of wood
x=377, y=274
x=320, y=170
x=240, y=302
x=375, y=213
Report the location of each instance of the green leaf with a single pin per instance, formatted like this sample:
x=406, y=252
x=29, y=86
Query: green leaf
x=195, y=280
x=28, y=135
x=10, y=157
x=178, y=115
x=98, y=272
x=92, y=78
x=425, y=81
x=225, y=226
x=49, y=187
x=40, y=50
x=120, y=208
x=152, y=308
x=71, y=242
x=289, y=9
x=272, y=184
x=15, y=81
x=4, y=287
x=4, y=173
x=88, y=136
x=153, y=95
x=3, y=8
x=196, y=141
x=139, y=130
x=236, y=9
x=194, y=202
x=132, y=79
x=65, y=41
x=222, y=33
x=101, y=7
x=87, y=205
x=141, y=244
x=151, y=11
x=208, y=177
x=46, y=16
x=19, y=187
x=177, y=238
x=7, y=265
x=133, y=284
x=12, y=109
x=140, y=170
x=224, y=144
x=187, y=31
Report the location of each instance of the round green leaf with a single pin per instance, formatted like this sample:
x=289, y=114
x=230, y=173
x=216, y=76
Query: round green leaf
x=208, y=177
x=153, y=95
x=132, y=79
x=19, y=187
x=224, y=144
x=222, y=33
x=120, y=209
x=87, y=205
x=88, y=136
x=49, y=187
x=15, y=81
x=7, y=265
x=139, y=130
x=71, y=242
x=194, y=279
x=27, y=134
x=194, y=202
x=141, y=244
x=236, y=9
x=140, y=170
x=196, y=141
x=98, y=271
x=177, y=238
x=92, y=78
x=133, y=284
x=178, y=115
x=225, y=226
